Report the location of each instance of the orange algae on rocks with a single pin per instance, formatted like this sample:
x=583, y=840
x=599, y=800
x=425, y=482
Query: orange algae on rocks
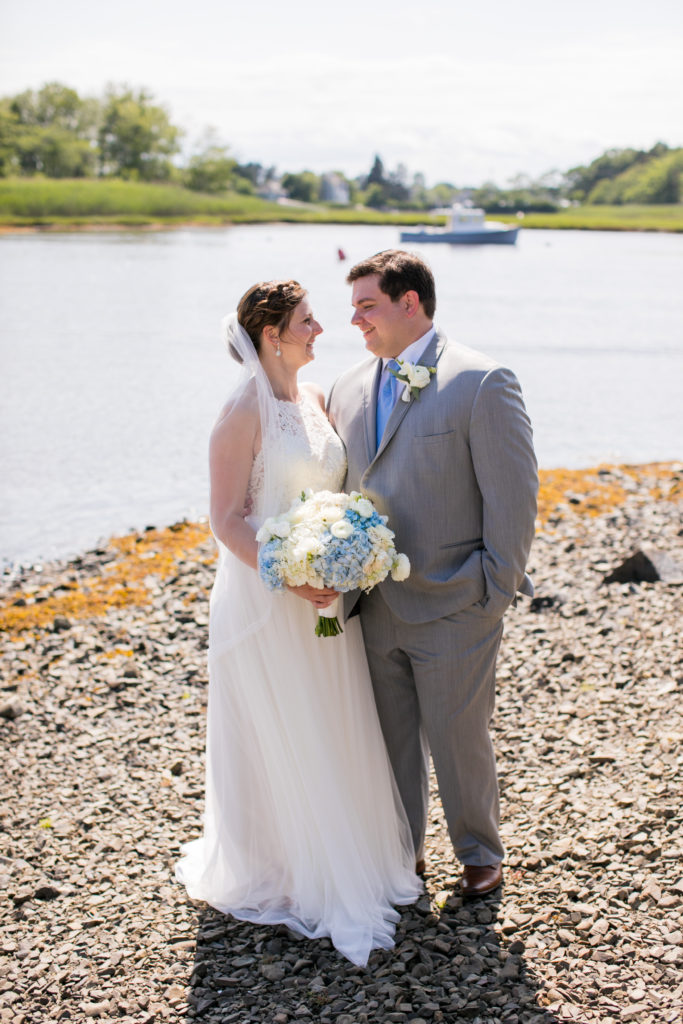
x=133, y=567
x=595, y=492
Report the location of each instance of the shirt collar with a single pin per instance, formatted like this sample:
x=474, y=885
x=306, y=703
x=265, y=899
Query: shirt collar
x=415, y=350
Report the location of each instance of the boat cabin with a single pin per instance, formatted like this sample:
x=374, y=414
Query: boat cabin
x=464, y=218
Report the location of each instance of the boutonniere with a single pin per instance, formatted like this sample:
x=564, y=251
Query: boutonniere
x=414, y=376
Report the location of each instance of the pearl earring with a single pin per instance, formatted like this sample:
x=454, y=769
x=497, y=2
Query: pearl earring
x=277, y=349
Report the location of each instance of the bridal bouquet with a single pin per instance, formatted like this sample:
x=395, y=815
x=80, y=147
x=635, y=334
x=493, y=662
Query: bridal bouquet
x=329, y=540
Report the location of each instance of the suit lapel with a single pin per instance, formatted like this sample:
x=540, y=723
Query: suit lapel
x=370, y=389
x=430, y=357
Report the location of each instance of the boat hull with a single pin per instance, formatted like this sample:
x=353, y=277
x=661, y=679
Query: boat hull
x=497, y=236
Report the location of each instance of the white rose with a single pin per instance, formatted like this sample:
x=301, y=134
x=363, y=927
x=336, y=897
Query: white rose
x=401, y=568
x=281, y=528
x=330, y=514
x=307, y=546
x=266, y=531
x=419, y=376
x=342, y=529
x=364, y=507
x=319, y=498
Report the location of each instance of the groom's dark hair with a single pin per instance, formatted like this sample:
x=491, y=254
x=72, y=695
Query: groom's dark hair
x=399, y=272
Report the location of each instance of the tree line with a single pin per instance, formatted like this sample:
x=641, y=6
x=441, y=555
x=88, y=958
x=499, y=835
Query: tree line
x=125, y=134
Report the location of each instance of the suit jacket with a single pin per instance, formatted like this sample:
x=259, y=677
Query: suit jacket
x=456, y=475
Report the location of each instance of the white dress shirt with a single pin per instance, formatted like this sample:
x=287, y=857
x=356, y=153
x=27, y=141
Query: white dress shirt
x=412, y=354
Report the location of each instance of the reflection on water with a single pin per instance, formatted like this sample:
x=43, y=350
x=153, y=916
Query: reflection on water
x=113, y=370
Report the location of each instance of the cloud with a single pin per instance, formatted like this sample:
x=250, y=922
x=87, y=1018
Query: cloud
x=458, y=95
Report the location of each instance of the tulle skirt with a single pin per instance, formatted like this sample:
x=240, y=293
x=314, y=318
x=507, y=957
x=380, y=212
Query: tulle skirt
x=303, y=824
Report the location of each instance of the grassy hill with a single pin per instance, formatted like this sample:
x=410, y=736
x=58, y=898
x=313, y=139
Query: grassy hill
x=81, y=202
x=76, y=201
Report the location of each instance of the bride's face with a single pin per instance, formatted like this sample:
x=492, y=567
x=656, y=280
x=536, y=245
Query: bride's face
x=298, y=338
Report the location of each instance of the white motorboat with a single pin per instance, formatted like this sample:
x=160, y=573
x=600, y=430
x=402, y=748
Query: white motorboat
x=465, y=225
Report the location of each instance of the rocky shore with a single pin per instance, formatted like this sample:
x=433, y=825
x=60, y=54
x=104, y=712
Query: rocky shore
x=102, y=706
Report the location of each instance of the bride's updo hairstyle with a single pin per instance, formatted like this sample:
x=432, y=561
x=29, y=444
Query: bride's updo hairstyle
x=267, y=304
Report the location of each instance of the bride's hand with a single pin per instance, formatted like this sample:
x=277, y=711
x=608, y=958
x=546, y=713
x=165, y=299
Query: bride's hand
x=318, y=598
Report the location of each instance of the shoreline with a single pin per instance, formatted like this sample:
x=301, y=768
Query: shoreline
x=127, y=569
x=102, y=716
x=58, y=203
x=540, y=222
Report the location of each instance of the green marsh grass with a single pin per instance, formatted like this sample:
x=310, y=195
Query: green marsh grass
x=605, y=218
x=45, y=201
x=83, y=202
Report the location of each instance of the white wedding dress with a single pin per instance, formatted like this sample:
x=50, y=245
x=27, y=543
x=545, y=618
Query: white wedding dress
x=303, y=824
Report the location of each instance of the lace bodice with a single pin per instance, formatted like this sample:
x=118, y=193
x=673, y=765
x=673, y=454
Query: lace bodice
x=313, y=455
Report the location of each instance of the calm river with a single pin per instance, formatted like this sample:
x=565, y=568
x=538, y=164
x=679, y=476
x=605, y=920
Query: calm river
x=113, y=369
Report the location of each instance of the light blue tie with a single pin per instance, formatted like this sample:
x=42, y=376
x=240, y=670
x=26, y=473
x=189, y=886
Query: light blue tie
x=386, y=400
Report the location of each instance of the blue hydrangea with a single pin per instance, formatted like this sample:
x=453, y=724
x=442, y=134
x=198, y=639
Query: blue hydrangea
x=341, y=564
x=269, y=565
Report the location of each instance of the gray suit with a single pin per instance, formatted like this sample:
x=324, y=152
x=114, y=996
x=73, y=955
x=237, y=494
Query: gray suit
x=456, y=474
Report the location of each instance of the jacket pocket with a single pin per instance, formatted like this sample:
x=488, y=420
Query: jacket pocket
x=429, y=439
x=475, y=544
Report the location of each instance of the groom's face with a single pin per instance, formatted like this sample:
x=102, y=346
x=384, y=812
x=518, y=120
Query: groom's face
x=383, y=323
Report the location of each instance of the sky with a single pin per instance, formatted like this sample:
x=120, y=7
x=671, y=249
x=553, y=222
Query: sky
x=461, y=92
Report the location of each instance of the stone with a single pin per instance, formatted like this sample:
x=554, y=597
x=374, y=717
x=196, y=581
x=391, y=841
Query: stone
x=647, y=566
x=272, y=972
x=96, y=1009
x=46, y=892
x=11, y=709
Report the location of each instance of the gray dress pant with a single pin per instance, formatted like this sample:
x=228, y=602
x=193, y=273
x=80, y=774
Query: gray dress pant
x=434, y=686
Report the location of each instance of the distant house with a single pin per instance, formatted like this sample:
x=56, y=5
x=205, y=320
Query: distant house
x=333, y=189
x=272, y=189
x=464, y=196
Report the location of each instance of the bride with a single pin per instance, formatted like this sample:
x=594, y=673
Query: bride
x=303, y=825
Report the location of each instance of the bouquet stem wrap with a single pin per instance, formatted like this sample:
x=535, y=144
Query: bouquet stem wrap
x=328, y=620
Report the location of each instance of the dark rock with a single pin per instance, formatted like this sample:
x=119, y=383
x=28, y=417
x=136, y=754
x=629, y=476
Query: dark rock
x=647, y=566
x=543, y=601
x=11, y=709
x=46, y=892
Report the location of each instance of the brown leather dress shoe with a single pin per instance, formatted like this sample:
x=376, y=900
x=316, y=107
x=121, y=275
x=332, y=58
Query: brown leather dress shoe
x=477, y=879
x=420, y=867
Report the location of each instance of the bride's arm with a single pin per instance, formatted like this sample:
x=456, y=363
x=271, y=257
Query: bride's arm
x=234, y=442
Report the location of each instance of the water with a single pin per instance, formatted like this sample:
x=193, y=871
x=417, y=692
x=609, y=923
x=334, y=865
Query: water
x=113, y=370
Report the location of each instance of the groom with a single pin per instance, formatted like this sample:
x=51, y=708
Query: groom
x=452, y=465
